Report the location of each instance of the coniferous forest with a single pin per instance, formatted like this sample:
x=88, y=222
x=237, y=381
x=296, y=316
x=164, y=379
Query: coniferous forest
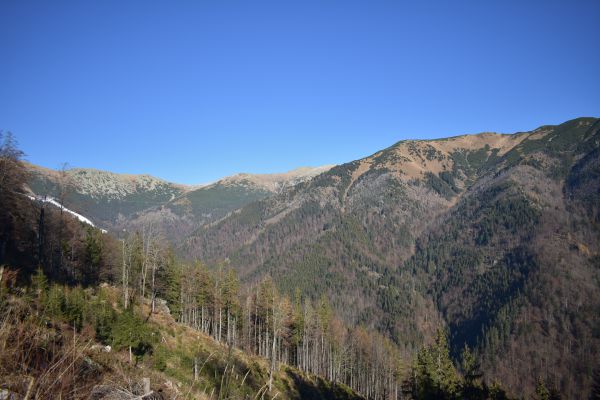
x=299, y=200
x=477, y=282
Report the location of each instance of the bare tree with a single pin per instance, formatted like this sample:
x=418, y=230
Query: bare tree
x=63, y=188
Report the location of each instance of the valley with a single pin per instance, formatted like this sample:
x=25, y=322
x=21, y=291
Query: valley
x=487, y=242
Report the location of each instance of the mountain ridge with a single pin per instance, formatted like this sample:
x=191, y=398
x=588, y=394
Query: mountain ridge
x=409, y=228
x=113, y=200
x=492, y=237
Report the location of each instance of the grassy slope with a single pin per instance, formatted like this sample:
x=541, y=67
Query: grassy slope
x=40, y=347
x=179, y=344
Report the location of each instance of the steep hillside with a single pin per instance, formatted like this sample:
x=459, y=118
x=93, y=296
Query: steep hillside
x=514, y=265
x=494, y=236
x=68, y=332
x=62, y=342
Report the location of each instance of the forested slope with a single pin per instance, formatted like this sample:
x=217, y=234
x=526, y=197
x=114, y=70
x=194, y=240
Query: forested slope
x=81, y=319
x=493, y=236
x=87, y=315
x=432, y=269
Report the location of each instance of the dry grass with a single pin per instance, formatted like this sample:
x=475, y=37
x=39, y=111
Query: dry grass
x=42, y=361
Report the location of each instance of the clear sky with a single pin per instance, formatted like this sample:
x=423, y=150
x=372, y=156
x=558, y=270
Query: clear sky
x=192, y=91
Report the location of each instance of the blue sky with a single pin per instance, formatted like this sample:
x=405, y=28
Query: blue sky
x=192, y=91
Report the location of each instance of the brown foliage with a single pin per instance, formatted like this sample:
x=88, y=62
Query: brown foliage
x=39, y=360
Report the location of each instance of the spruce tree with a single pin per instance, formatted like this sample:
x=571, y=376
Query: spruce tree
x=435, y=376
x=93, y=256
x=131, y=333
x=472, y=387
x=445, y=375
x=39, y=282
x=171, y=290
x=541, y=392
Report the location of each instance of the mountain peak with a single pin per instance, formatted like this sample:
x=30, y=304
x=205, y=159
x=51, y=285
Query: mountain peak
x=276, y=181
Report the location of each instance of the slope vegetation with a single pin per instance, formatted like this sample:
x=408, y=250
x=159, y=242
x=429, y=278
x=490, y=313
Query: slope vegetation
x=493, y=236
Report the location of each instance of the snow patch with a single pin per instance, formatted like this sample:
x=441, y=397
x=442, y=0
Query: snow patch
x=51, y=200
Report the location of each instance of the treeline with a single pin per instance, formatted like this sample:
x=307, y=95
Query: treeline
x=293, y=330
x=307, y=334
x=38, y=234
x=259, y=319
x=298, y=332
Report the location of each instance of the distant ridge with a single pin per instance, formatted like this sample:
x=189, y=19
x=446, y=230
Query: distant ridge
x=120, y=201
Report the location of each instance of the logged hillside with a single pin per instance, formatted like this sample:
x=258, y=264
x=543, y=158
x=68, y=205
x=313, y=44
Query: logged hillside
x=85, y=315
x=62, y=342
x=491, y=238
x=494, y=236
x=69, y=332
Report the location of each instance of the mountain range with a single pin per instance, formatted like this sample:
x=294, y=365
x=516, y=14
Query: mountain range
x=123, y=201
x=495, y=237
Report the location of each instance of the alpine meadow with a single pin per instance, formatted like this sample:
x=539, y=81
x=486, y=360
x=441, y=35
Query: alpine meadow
x=447, y=264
